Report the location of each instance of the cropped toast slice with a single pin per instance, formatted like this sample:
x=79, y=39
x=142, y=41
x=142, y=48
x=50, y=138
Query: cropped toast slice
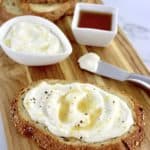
x=48, y=141
x=54, y=1
x=43, y=1
x=53, y=11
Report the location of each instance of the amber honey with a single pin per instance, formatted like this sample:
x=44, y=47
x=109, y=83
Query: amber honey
x=96, y=20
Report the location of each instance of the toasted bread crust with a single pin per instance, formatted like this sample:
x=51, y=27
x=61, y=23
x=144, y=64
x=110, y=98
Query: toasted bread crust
x=43, y=1
x=66, y=8
x=54, y=1
x=5, y=15
x=50, y=142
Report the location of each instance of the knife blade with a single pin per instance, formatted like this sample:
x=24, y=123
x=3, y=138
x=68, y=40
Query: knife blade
x=110, y=71
x=113, y=72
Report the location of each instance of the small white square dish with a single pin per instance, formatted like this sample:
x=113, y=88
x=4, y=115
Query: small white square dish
x=27, y=56
x=97, y=26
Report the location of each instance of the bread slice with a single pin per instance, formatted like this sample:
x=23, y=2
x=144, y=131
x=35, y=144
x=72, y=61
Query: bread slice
x=53, y=11
x=48, y=141
x=54, y=1
x=43, y=1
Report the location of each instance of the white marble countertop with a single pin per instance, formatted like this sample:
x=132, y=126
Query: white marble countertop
x=135, y=22
x=3, y=143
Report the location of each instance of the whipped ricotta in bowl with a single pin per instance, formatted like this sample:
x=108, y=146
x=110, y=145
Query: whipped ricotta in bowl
x=29, y=37
x=78, y=110
x=34, y=41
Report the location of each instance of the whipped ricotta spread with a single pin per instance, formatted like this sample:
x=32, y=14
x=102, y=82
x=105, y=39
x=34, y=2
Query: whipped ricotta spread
x=89, y=62
x=32, y=38
x=78, y=110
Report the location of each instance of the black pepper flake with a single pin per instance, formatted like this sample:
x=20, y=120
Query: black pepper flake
x=78, y=125
x=81, y=121
x=113, y=102
x=46, y=92
x=123, y=121
x=86, y=114
x=81, y=137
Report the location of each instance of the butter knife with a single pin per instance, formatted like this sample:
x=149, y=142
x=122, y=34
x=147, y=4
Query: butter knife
x=91, y=62
x=110, y=71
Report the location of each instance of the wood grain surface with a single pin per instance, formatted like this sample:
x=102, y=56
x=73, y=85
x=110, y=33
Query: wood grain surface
x=14, y=76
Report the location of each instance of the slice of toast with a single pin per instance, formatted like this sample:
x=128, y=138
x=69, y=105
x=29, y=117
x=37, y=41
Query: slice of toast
x=43, y=1
x=53, y=1
x=52, y=11
x=48, y=141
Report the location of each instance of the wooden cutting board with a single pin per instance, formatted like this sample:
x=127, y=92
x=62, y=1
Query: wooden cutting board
x=14, y=76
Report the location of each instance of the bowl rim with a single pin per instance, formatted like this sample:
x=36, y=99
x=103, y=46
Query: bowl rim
x=88, y=6
x=47, y=23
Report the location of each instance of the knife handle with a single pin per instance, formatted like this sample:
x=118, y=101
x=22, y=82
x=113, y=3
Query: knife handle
x=140, y=79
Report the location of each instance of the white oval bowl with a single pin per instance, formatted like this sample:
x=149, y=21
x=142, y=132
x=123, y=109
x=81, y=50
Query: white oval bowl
x=38, y=59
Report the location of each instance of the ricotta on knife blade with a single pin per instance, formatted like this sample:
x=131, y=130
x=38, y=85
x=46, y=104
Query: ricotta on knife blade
x=89, y=62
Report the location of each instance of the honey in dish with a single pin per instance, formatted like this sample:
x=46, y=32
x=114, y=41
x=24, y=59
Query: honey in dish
x=96, y=20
